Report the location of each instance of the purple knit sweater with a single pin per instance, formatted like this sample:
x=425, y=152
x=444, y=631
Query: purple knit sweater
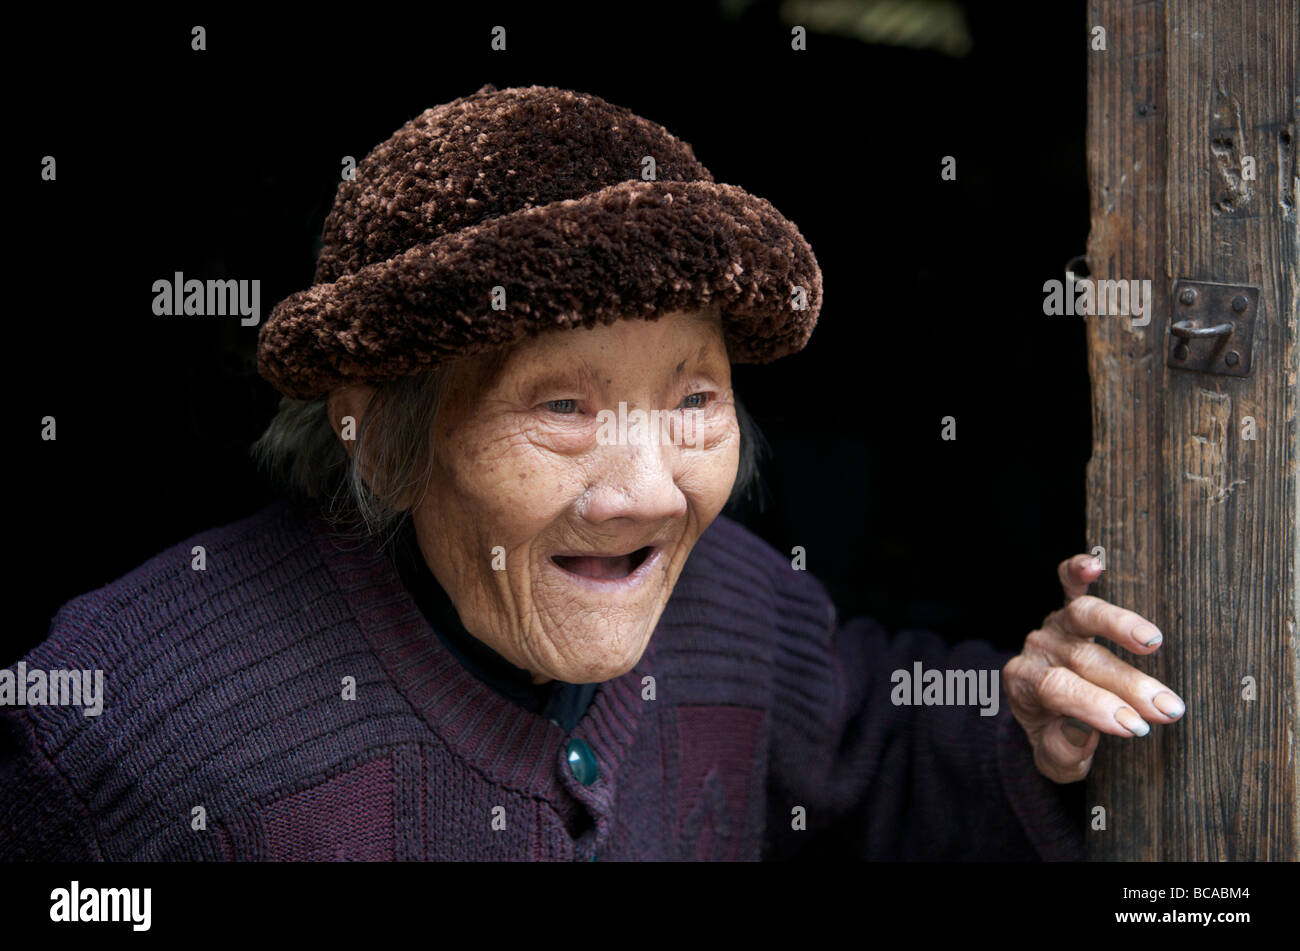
x=771, y=732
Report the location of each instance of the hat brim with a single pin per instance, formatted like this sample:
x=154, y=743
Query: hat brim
x=632, y=250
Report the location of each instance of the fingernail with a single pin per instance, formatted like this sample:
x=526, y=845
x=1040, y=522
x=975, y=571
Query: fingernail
x=1132, y=722
x=1148, y=635
x=1169, y=705
x=1076, y=731
x=1094, y=565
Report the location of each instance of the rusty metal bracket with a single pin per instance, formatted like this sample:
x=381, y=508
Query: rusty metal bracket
x=1213, y=327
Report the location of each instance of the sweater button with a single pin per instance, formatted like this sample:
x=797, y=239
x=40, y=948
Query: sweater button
x=582, y=761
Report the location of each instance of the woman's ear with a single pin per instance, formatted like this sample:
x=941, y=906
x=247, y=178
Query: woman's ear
x=345, y=408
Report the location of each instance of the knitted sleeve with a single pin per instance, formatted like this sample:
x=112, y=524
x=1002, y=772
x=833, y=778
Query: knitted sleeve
x=41, y=817
x=884, y=780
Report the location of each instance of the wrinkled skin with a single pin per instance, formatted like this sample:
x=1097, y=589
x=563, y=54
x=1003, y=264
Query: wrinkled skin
x=521, y=476
x=523, y=473
x=1063, y=674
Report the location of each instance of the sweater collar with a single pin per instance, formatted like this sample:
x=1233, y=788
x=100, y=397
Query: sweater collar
x=513, y=747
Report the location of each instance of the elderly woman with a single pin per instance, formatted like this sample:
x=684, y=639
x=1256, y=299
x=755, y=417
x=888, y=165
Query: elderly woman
x=504, y=618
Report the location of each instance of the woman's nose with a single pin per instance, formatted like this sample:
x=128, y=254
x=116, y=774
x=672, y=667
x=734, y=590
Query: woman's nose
x=636, y=482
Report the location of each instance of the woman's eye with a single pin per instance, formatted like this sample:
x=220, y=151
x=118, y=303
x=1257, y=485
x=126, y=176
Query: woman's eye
x=695, y=401
x=562, y=406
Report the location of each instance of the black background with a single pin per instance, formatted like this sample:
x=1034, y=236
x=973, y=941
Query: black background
x=223, y=164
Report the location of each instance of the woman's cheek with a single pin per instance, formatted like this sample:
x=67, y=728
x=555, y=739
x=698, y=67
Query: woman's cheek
x=518, y=484
x=708, y=468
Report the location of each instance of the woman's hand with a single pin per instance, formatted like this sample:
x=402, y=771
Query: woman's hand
x=1063, y=687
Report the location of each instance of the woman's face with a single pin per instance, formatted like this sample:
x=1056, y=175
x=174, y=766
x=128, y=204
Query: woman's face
x=558, y=534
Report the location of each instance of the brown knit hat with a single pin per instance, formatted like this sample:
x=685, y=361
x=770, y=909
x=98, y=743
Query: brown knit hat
x=538, y=191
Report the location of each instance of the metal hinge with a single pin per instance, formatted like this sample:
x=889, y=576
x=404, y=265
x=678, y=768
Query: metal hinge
x=1213, y=328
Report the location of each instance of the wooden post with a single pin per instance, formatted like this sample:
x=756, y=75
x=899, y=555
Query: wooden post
x=1192, y=484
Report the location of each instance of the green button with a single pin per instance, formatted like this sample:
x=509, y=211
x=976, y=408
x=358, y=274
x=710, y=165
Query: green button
x=582, y=761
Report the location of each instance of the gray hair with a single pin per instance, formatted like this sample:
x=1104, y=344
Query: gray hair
x=394, y=441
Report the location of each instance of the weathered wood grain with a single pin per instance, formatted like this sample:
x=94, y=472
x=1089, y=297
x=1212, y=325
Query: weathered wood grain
x=1199, y=524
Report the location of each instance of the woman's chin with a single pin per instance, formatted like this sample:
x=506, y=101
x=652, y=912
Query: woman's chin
x=598, y=654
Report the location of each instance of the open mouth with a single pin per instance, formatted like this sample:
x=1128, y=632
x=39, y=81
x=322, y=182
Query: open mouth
x=603, y=568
